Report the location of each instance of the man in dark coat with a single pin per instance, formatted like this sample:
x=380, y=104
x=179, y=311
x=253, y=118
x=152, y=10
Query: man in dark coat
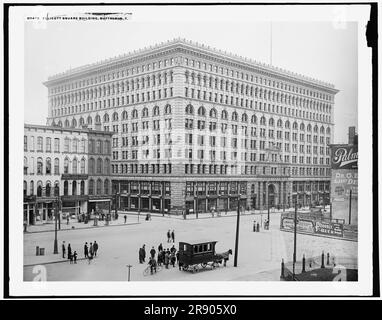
x=173, y=236
x=63, y=249
x=86, y=250
x=168, y=236
x=144, y=253
x=69, y=252
x=152, y=252
x=95, y=248
x=160, y=247
x=140, y=255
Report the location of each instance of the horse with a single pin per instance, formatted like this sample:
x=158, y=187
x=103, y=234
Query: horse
x=224, y=256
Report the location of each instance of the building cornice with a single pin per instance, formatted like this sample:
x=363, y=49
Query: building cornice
x=177, y=45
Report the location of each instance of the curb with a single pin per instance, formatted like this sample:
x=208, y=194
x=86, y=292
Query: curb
x=84, y=228
x=322, y=236
x=50, y=262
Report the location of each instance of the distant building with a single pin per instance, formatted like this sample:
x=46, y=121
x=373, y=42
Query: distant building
x=198, y=128
x=353, y=136
x=64, y=168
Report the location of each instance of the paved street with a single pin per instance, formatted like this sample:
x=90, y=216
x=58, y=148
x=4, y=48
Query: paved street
x=259, y=256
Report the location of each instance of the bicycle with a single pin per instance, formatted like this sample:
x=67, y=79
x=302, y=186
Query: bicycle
x=147, y=271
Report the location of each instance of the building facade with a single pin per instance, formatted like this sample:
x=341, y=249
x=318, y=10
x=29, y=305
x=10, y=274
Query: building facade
x=61, y=171
x=199, y=128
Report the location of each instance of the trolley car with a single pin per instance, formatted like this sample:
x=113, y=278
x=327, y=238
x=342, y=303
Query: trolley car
x=200, y=254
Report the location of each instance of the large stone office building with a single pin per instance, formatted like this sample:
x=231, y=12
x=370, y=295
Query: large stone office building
x=199, y=128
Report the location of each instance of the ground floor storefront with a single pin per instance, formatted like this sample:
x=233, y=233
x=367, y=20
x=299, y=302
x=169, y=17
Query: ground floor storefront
x=42, y=210
x=176, y=196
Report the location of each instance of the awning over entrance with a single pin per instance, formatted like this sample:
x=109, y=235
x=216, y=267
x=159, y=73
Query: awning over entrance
x=99, y=200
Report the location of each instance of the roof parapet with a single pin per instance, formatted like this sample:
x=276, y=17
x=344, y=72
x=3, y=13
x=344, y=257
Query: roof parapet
x=179, y=40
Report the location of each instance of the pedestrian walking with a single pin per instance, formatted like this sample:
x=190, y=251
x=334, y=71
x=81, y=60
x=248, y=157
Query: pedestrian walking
x=95, y=248
x=152, y=252
x=75, y=257
x=159, y=259
x=69, y=251
x=144, y=252
x=153, y=265
x=160, y=247
x=172, y=259
x=177, y=258
x=86, y=250
x=125, y=217
x=258, y=227
x=91, y=250
x=70, y=257
x=63, y=249
x=140, y=254
x=168, y=235
x=173, y=236
x=166, y=259
x=172, y=250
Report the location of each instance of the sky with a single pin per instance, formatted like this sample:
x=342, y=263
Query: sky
x=322, y=50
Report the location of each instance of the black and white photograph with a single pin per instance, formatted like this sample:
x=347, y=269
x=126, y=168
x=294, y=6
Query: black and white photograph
x=190, y=150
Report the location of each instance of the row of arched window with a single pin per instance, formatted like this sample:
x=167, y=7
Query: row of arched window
x=99, y=166
x=48, y=166
x=47, y=190
x=257, y=92
x=112, y=89
x=115, y=117
x=98, y=187
x=201, y=112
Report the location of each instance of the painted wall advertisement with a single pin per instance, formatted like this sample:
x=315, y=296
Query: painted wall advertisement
x=313, y=227
x=344, y=157
x=345, y=179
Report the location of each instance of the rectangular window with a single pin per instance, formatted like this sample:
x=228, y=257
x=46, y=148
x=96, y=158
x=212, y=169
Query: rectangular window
x=25, y=143
x=48, y=145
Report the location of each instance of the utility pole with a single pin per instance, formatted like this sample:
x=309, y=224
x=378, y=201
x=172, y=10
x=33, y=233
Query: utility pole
x=237, y=230
x=128, y=272
x=295, y=239
x=350, y=206
x=268, y=204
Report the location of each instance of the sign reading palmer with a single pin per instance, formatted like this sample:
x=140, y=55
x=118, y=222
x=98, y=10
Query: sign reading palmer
x=344, y=157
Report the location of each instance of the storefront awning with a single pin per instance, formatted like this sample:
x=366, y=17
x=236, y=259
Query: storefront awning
x=99, y=200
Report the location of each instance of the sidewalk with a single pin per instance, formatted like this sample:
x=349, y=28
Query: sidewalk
x=205, y=215
x=134, y=218
x=75, y=225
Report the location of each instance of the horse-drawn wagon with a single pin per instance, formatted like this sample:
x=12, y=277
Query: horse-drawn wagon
x=200, y=254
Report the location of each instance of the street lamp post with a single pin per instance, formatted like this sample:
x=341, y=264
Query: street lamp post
x=237, y=230
x=268, y=204
x=55, y=245
x=116, y=204
x=139, y=205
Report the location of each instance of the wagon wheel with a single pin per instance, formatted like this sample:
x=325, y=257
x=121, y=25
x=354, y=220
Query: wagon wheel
x=185, y=268
x=204, y=264
x=195, y=268
x=215, y=264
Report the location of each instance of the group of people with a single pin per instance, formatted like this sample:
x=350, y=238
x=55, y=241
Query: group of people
x=171, y=236
x=166, y=257
x=72, y=256
x=89, y=251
